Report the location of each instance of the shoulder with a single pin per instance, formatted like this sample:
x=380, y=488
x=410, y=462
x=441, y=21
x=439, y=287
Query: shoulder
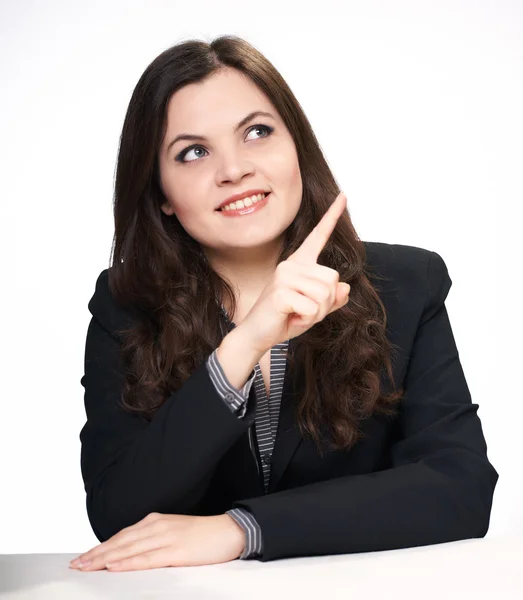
x=105, y=309
x=407, y=273
x=396, y=260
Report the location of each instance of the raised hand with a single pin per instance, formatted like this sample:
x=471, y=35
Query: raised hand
x=301, y=293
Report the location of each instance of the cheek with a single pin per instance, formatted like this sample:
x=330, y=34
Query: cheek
x=296, y=177
x=284, y=167
x=294, y=181
x=183, y=212
x=185, y=202
x=292, y=166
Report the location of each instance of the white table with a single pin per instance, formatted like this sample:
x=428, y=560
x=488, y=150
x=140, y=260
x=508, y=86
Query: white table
x=485, y=568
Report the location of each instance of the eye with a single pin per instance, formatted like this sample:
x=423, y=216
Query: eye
x=181, y=157
x=265, y=128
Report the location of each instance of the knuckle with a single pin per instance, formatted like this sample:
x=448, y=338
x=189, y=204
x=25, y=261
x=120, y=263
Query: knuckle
x=325, y=293
x=160, y=526
x=165, y=526
x=317, y=307
x=333, y=275
x=326, y=274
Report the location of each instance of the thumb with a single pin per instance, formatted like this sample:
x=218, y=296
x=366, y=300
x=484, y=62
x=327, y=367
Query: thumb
x=342, y=294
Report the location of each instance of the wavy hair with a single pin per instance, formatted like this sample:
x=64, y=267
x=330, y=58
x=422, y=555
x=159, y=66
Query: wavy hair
x=161, y=273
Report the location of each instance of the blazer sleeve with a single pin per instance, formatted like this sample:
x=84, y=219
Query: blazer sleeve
x=441, y=484
x=236, y=400
x=131, y=467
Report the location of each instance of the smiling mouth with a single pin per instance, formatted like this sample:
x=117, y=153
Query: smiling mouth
x=246, y=210
x=223, y=208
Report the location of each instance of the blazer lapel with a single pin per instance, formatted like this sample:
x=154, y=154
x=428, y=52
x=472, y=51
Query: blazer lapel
x=288, y=437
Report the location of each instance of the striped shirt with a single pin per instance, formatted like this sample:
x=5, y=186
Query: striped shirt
x=266, y=424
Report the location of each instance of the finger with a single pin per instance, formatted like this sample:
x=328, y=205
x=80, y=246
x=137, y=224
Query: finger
x=121, y=538
x=299, y=305
x=314, y=243
x=315, y=288
x=153, y=559
x=342, y=297
x=124, y=551
x=330, y=277
x=135, y=548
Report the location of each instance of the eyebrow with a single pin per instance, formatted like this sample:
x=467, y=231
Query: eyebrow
x=244, y=121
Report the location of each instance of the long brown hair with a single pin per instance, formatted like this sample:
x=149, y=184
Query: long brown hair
x=161, y=273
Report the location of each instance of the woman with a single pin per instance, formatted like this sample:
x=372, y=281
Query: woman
x=240, y=402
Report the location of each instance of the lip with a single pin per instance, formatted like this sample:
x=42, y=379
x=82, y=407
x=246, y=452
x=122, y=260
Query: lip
x=241, y=196
x=247, y=210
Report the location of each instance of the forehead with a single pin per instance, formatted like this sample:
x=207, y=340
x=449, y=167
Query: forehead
x=216, y=103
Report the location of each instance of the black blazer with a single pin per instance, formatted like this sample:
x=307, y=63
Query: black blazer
x=421, y=478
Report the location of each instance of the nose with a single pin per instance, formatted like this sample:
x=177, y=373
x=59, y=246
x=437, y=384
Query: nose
x=234, y=167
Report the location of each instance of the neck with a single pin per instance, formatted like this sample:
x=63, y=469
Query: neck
x=248, y=270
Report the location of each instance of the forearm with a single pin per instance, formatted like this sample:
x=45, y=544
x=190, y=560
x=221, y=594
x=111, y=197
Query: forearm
x=237, y=358
x=439, y=499
x=164, y=466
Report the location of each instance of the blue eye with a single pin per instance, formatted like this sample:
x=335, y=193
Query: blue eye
x=183, y=153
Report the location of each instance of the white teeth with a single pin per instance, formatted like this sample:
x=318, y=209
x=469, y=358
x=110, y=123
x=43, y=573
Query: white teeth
x=243, y=203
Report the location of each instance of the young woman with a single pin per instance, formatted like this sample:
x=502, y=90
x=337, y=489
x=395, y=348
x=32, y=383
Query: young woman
x=259, y=382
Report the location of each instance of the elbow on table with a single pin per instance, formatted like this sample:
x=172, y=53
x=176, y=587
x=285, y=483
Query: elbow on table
x=103, y=523
x=475, y=498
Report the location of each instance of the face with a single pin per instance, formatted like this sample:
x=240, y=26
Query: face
x=198, y=175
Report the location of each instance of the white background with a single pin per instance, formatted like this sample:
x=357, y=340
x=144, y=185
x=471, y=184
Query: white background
x=418, y=108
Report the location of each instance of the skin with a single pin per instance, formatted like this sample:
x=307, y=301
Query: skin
x=164, y=540
x=242, y=249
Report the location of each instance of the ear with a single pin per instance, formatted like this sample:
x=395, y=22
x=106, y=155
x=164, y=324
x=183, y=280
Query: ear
x=167, y=208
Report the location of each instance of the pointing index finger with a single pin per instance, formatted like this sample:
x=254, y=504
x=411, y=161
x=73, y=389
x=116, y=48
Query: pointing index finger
x=314, y=243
